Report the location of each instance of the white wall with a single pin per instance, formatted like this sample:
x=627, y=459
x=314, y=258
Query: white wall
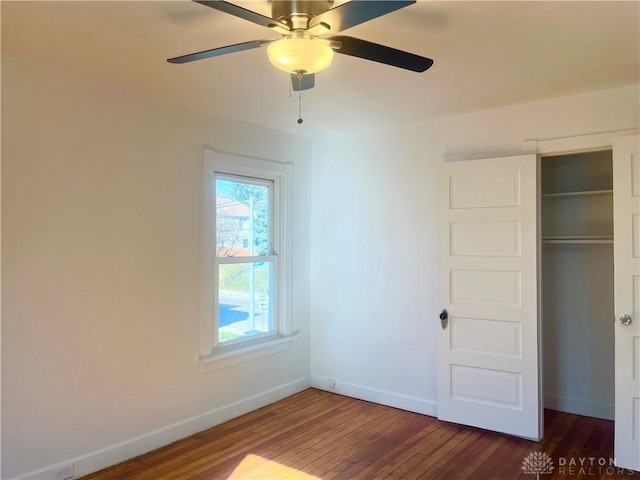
x=374, y=219
x=101, y=233
x=373, y=231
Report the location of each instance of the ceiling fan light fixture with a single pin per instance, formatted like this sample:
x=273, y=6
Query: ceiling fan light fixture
x=300, y=54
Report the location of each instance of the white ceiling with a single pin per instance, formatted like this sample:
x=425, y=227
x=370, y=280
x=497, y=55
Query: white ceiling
x=487, y=55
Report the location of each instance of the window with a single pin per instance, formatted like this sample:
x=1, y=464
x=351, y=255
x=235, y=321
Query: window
x=245, y=259
x=246, y=271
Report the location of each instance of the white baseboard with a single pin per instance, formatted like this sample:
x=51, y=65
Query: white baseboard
x=580, y=407
x=120, y=452
x=383, y=397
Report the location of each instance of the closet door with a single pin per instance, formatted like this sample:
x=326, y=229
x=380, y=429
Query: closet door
x=626, y=201
x=488, y=338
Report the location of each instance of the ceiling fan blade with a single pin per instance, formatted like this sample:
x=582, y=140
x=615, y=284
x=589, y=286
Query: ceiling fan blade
x=308, y=81
x=356, y=12
x=381, y=54
x=214, y=52
x=243, y=13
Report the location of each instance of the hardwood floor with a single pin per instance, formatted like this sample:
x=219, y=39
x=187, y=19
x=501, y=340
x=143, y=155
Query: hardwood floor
x=320, y=435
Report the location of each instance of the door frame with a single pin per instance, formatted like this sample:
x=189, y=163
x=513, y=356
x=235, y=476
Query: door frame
x=554, y=147
x=575, y=143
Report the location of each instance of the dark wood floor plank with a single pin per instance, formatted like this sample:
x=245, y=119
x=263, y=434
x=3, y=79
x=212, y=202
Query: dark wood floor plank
x=406, y=463
x=419, y=427
x=318, y=435
x=331, y=441
x=477, y=453
x=506, y=462
x=443, y=455
x=355, y=442
x=387, y=442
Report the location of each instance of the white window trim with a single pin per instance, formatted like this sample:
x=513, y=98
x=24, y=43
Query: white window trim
x=282, y=176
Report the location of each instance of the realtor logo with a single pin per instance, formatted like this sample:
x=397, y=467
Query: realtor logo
x=537, y=463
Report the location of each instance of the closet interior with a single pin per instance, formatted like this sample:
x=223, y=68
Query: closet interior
x=577, y=283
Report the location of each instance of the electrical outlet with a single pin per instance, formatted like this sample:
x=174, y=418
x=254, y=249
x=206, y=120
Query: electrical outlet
x=64, y=473
x=332, y=383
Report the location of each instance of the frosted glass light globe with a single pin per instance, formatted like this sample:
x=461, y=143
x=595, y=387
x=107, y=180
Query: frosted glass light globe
x=295, y=54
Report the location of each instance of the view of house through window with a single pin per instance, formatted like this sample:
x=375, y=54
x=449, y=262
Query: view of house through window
x=244, y=258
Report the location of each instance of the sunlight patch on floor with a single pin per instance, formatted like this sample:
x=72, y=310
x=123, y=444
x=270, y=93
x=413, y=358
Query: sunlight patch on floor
x=256, y=467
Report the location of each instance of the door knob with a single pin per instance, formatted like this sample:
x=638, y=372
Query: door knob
x=444, y=319
x=625, y=319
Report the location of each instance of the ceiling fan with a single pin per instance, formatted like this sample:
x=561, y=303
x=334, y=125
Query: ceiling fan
x=305, y=48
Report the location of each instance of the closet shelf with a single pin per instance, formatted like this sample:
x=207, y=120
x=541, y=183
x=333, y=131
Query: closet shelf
x=577, y=239
x=584, y=193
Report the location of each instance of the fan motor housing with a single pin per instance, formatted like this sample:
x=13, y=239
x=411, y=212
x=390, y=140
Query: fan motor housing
x=284, y=10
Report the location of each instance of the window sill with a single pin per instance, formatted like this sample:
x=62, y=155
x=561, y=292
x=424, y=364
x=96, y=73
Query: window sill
x=213, y=362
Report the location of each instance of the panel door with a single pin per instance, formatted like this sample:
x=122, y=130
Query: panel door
x=626, y=201
x=488, y=282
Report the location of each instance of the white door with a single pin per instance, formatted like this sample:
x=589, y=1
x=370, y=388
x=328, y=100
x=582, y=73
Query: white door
x=488, y=350
x=626, y=203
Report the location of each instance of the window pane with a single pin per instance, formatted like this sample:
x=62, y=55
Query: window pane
x=245, y=306
x=242, y=218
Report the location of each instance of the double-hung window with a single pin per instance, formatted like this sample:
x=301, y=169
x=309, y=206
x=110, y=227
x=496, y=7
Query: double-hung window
x=245, y=260
x=246, y=272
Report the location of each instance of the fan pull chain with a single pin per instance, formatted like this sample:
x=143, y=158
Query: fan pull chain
x=300, y=120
